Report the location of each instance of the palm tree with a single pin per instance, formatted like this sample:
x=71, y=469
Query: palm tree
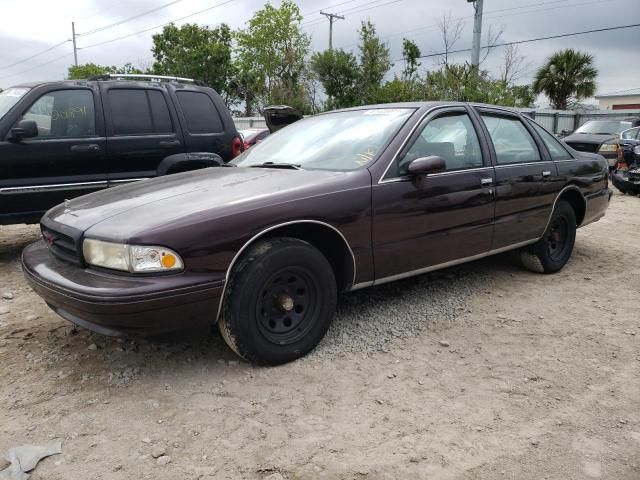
x=567, y=77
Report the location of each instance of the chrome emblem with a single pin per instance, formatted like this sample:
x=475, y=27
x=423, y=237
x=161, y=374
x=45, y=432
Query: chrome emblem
x=67, y=205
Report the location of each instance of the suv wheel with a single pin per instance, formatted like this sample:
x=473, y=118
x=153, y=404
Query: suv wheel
x=279, y=302
x=553, y=250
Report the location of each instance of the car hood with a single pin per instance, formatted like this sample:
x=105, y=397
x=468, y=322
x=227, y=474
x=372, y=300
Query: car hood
x=588, y=138
x=124, y=212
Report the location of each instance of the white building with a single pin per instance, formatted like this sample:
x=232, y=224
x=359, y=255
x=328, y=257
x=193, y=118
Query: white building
x=623, y=100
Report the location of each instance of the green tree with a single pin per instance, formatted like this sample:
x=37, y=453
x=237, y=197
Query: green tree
x=88, y=70
x=339, y=74
x=374, y=62
x=198, y=52
x=567, y=77
x=272, y=50
x=410, y=54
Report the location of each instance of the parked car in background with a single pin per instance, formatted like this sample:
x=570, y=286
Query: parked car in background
x=626, y=177
x=332, y=203
x=601, y=136
x=251, y=136
x=59, y=140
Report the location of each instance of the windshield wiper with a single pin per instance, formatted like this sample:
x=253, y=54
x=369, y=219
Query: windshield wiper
x=290, y=166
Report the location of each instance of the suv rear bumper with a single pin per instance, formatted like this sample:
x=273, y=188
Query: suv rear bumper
x=117, y=305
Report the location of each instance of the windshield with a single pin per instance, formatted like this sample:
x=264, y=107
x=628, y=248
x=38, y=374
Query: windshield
x=9, y=97
x=334, y=141
x=604, y=127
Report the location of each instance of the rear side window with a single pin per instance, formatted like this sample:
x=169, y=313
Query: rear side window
x=556, y=150
x=511, y=140
x=200, y=112
x=139, y=112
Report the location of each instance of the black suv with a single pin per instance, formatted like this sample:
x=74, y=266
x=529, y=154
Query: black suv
x=59, y=140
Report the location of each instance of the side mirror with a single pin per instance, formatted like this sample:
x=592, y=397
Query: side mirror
x=427, y=165
x=24, y=129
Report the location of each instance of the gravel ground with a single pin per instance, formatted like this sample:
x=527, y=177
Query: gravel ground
x=483, y=371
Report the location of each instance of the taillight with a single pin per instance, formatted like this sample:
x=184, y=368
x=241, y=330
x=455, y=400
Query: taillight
x=237, y=147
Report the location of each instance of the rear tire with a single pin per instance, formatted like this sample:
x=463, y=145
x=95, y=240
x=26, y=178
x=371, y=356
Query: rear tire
x=279, y=302
x=553, y=250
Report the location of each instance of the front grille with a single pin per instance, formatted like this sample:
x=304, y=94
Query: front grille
x=63, y=242
x=584, y=147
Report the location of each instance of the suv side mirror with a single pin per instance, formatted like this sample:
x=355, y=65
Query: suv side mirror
x=427, y=165
x=24, y=129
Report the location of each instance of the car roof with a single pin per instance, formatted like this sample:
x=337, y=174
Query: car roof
x=76, y=83
x=426, y=104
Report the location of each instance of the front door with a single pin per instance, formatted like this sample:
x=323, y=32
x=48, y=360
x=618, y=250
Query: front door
x=66, y=159
x=424, y=221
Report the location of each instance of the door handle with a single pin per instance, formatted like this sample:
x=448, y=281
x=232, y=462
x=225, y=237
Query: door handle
x=86, y=147
x=169, y=143
x=546, y=173
x=486, y=181
x=597, y=178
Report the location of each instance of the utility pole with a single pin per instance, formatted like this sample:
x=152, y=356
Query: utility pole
x=477, y=32
x=331, y=17
x=75, y=50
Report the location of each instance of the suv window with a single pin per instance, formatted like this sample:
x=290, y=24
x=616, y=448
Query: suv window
x=200, y=112
x=450, y=136
x=556, y=150
x=511, y=140
x=64, y=114
x=139, y=112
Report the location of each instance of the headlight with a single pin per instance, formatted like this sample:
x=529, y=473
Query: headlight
x=636, y=149
x=608, y=147
x=130, y=258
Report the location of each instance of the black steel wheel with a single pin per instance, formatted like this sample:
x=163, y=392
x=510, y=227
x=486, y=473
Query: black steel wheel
x=279, y=302
x=554, y=249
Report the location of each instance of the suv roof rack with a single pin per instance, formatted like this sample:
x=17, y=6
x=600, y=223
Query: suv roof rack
x=144, y=76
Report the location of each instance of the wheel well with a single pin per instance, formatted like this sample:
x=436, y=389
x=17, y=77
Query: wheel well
x=576, y=200
x=330, y=243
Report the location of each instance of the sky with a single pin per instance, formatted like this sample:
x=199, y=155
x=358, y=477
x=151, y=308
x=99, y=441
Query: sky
x=27, y=31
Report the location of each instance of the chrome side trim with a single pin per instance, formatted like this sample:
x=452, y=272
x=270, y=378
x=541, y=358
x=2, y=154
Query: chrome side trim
x=439, y=174
x=451, y=263
x=507, y=165
x=267, y=230
x=411, y=132
x=51, y=188
x=126, y=180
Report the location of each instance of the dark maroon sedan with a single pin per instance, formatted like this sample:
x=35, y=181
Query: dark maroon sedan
x=333, y=203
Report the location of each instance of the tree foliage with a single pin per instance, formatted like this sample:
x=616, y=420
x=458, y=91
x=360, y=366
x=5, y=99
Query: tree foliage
x=567, y=77
x=272, y=51
x=374, y=62
x=88, y=70
x=339, y=74
x=197, y=52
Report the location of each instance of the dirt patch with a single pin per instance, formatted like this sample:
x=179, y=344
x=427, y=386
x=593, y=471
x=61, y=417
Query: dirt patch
x=481, y=372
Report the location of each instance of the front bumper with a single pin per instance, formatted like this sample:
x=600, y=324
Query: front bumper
x=622, y=183
x=117, y=305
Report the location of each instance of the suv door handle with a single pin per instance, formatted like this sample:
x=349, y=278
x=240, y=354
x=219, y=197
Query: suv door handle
x=169, y=143
x=486, y=181
x=546, y=173
x=86, y=147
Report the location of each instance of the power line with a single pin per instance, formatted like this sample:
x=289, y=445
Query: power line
x=350, y=10
x=120, y=22
x=34, y=55
x=529, y=40
x=38, y=66
x=157, y=26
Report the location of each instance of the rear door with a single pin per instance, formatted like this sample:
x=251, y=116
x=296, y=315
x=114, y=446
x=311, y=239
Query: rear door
x=527, y=180
x=65, y=160
x=141, y=131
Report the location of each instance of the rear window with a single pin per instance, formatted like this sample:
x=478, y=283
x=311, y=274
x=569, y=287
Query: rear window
x=139, y=112
x=200, y=112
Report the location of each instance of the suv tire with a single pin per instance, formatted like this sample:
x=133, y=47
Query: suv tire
x=279, y=302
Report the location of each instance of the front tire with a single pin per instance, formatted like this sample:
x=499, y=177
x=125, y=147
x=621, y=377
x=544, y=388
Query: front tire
x=553, y=250
x=279, y=302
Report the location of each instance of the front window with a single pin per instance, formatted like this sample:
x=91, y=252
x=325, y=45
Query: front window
x=64, y=114
x=9, y=97
x=604, y=127
x=346, y=140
